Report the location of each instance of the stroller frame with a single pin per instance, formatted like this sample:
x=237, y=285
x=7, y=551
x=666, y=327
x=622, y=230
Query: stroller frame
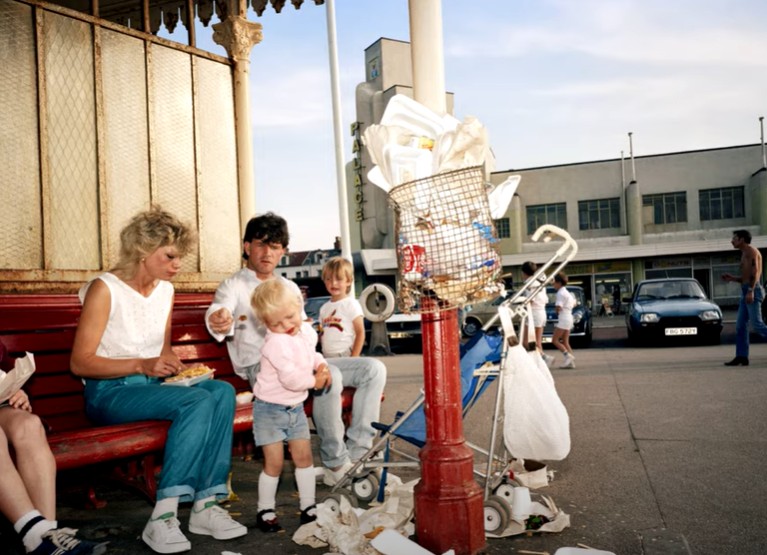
x=363, y=478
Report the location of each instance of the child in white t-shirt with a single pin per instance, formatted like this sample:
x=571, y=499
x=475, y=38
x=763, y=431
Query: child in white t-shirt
x=341, y=318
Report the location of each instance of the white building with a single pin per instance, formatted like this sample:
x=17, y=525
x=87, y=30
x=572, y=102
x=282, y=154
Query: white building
x=661, y=215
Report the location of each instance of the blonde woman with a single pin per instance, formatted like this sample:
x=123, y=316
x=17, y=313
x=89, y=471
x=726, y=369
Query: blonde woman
x=122, y=350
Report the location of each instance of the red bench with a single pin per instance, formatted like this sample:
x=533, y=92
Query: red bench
x=45, y=326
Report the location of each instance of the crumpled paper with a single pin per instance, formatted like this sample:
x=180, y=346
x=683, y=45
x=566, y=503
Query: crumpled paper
x=531, y=473
x=350, y=530
x=12, y=381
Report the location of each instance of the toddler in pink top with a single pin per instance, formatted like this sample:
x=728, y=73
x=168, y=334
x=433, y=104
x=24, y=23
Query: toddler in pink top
x=290, y=366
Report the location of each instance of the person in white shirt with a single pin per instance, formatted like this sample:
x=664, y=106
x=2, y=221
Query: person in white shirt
x=122, y=349
x=290, y=366
x=343, y=336
x=230, y=318
x=537, y=309
x=564, y=304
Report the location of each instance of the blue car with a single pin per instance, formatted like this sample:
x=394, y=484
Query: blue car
x=672, y=308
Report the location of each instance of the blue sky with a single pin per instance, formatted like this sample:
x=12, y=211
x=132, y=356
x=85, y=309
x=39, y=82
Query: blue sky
x=553, y=81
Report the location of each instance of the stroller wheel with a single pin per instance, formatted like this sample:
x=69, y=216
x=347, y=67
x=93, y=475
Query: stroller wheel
x=365, y=488
x=496, y=517
x=333, y=501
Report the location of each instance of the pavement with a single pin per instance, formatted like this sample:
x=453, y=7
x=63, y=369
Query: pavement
x=667, y=458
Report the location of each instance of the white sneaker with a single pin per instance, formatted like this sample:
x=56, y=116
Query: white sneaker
x=164, y=535
x=548, y=359
x=332, y=477
x=215, y=521
x=568, y=363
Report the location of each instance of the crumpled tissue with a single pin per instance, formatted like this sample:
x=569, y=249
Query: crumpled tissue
x=350, y=530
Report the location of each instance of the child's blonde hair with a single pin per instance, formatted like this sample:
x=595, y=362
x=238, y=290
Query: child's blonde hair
x=271, y=296
x=338, y=266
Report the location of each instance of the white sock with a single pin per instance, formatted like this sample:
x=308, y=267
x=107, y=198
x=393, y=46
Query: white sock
x=267, y=491
x=163, y=507
x=202, y=504
x=34, y=536
x=307, y=486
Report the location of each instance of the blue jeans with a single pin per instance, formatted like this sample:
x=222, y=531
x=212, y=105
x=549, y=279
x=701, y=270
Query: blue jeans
x=198, y=450
x=749, y=312
x=273, y=423
x=368, y=375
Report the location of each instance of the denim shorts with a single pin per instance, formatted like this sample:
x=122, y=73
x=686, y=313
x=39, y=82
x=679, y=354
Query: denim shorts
x=274, y=423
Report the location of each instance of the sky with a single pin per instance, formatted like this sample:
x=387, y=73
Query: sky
x=553, y=81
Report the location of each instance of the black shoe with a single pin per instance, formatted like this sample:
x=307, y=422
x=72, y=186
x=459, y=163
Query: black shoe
x=309, y=514
x=268, y=526
x=737, y=361
x=60, y=541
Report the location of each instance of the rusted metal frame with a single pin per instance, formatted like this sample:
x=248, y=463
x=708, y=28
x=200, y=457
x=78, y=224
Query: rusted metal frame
x=150, y=128
x=146, y=26
x=145, y=35
x=190, y=23
x=197, y=147
x=98, y=96
x=42, y=126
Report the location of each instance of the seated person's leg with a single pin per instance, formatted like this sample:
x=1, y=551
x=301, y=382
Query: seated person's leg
x=326, y=413
x=368, y=376
x=21, y=488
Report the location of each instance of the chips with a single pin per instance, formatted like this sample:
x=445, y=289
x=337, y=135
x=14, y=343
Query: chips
x=192, y=372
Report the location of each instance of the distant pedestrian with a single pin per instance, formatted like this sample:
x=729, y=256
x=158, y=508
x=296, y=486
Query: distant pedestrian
x=564, y=304
x=752, y=295
x=537, y=308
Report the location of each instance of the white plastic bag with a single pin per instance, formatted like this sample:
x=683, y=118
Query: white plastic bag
x=536, y=424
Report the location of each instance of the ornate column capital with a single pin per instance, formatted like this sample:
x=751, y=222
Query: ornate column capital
x=237, y=35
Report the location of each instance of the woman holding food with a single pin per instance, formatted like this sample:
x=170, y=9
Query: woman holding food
x=122, y=350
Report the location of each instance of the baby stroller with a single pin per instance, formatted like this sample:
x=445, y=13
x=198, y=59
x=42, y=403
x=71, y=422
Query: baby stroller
x=480, y=365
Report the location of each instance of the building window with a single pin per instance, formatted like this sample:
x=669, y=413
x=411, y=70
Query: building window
x=599, y=214
x=539, y=214
x=502, y=228
x=722, y=204
x=667, y=208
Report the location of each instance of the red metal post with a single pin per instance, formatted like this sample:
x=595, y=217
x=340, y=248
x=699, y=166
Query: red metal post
x=448, y=502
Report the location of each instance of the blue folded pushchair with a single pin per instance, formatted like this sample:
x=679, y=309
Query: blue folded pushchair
x=480, y=359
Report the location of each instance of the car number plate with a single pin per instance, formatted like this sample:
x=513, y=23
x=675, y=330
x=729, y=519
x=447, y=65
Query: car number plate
x=546, y=340
x=681, y=331
x=400, y=334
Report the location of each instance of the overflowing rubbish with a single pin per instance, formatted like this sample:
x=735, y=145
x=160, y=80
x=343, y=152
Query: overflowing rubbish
x=350, y=530
x=434, y=169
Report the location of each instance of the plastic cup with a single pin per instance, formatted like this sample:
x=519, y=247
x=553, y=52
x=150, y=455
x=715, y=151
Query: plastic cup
x=520, y=504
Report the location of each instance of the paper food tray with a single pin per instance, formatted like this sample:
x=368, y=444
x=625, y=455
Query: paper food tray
x=191, y=381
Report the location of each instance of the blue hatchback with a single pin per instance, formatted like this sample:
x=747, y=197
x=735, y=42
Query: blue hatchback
x=672, y=308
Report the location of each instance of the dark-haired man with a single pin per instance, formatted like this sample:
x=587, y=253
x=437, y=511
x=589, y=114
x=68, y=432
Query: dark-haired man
x=231, y=317
x=752, y=294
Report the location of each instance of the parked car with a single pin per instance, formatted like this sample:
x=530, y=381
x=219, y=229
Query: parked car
x=662, y=309
x=475, y=316
x=583, y=325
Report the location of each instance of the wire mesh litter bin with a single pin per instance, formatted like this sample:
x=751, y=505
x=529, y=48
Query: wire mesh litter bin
x=447, y=246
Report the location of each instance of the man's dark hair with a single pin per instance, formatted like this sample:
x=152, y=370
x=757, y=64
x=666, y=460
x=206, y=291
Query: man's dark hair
x=743, y=234
x=561, y=277
x=529, y=268
x=269, y=228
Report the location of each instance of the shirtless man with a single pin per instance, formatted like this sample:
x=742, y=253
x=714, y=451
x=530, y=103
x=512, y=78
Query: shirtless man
x=750, y=307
